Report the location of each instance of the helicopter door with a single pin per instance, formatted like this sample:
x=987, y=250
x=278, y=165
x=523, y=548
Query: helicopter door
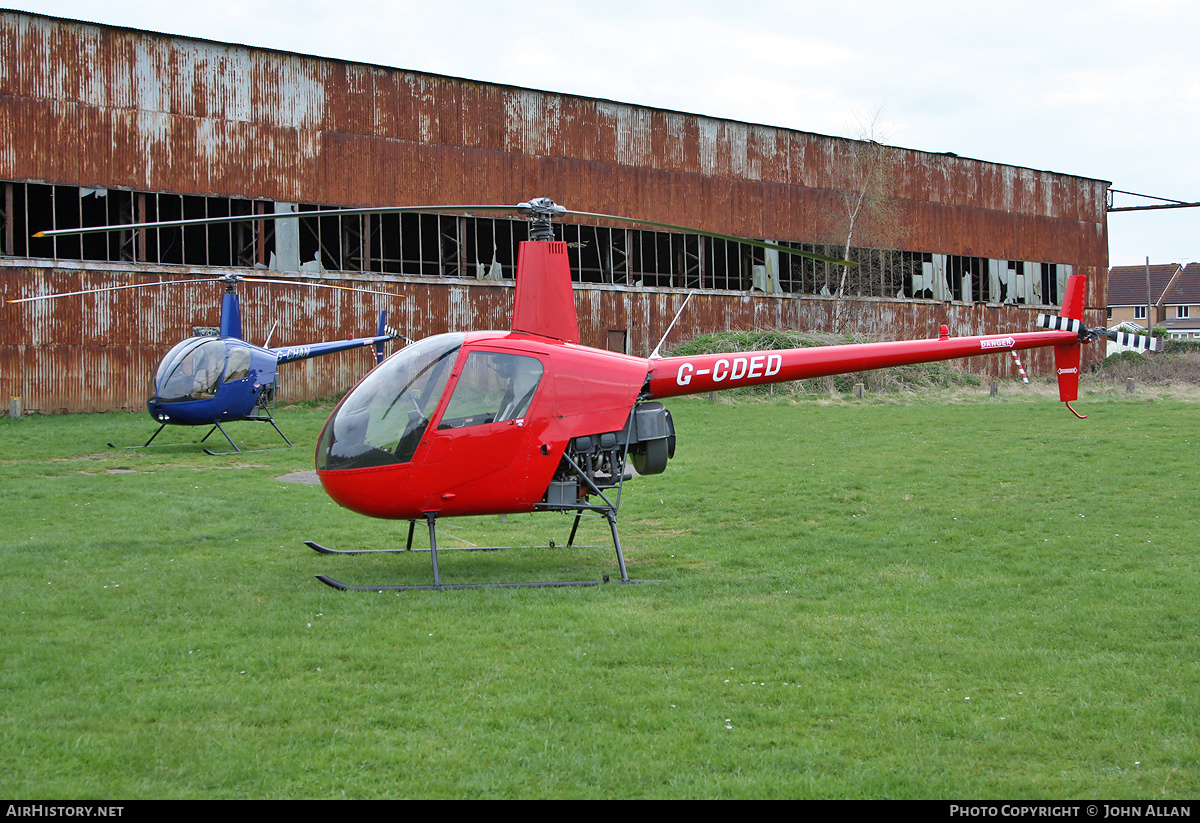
x=237, y=390
x=482, y=430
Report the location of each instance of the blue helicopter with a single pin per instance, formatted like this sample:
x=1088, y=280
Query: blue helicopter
x=207, y=381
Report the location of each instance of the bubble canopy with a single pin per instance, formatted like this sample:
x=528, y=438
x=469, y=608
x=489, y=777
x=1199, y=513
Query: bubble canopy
x=381, y=421
x=190, y=371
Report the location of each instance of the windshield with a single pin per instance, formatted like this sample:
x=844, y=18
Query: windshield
x=191, y=371
x=381, y=421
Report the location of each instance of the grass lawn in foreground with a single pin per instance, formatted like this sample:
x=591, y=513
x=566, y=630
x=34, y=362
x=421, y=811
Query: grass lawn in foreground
x=985, y=599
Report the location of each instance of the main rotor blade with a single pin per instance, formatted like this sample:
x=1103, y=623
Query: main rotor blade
x=287, y=215
x=762, y=244
x=487, y=209
x=314, y=284
x=118, y=288
x=201, y=280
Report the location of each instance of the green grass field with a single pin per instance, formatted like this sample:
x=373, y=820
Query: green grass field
x=935, y=599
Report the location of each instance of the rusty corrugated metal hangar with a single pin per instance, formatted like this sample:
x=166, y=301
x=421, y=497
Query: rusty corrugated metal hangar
x=105, y=125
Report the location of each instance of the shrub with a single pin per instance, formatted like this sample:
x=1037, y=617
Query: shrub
x=1179, y=362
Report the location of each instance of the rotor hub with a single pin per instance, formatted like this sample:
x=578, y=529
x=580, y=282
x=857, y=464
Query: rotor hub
x=543, y=210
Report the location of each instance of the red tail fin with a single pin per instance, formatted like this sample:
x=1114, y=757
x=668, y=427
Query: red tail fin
x=1066, y=357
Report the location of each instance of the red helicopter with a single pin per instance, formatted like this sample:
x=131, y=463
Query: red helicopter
x=529, y=420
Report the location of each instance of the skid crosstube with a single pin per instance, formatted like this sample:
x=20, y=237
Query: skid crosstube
x=431, y=519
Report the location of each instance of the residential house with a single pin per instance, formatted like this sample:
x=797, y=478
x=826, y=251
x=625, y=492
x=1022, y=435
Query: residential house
x=1182, y=304
x=1172, y=298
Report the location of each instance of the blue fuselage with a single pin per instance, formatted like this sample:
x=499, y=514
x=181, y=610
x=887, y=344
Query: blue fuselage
x=206, y=380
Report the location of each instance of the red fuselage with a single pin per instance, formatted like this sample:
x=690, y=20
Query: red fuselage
x=480, y=465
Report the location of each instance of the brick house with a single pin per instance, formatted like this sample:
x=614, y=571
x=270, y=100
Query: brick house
x=1174, y=298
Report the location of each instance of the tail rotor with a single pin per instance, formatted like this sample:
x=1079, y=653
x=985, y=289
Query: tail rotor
x=1067, y=355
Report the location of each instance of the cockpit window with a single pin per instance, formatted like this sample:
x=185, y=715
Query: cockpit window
x=238, y=366
x=191, y=371
x=493, y=387
x=382, y=420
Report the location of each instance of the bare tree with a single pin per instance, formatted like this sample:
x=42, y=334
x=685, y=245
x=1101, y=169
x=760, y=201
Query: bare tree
x=869, y=217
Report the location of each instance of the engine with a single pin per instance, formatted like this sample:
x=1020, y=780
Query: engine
x=595, y=462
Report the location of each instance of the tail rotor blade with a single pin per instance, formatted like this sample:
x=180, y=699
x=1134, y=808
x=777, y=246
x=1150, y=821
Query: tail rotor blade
x=1059, y=323
x=1121, y=338
x=1134, y=341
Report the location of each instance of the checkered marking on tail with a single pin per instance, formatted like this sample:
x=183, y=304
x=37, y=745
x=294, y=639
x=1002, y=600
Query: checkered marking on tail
x=1059, y=323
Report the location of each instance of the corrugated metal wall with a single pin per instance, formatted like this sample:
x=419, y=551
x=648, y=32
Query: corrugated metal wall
x=94, y=105
x=90, y=105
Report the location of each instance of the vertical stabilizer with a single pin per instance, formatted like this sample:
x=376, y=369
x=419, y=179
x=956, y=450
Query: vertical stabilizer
x=1073, y=300
x=1066, y=357
x=383, y=329
x=545, y=303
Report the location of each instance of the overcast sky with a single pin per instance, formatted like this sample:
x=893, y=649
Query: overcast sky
x=1107, y=89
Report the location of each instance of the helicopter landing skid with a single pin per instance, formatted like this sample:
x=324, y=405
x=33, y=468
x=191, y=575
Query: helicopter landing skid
x=217, y=427
x=317, y=547
x=433, y=549
x=329, y=581
x=146, y=445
